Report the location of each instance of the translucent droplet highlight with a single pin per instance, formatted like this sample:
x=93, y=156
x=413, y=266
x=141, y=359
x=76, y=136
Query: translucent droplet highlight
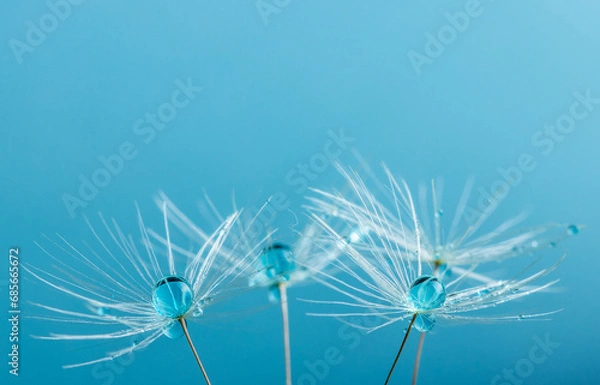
x=173, y=330
x=424, y=322
x=573, y=229
x=279, y=262
x=172, y=297
x=427, y=293
x=274, y=294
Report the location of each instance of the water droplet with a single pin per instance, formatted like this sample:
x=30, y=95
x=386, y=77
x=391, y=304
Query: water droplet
x=424, y=322
x=172, y=297
x=573, y=229
x=552, y=244
x=427, y=293
x=173, y=330
x=198, y=311
x=274, y=294
x=521, y=317
x=279, y=262
x=354, y=237
x=534, y=244
x=439, y=213
x=102, y=311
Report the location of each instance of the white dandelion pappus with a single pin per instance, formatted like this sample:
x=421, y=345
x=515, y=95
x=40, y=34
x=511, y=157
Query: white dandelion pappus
x=449, y=251
x=278, y=265
x=131, y=292
x=382, y=280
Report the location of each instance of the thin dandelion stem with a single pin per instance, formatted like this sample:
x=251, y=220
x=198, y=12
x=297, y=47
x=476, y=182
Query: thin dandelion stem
x=189, y=339
x=418, y=359
x=412, y=321
x=286, y=333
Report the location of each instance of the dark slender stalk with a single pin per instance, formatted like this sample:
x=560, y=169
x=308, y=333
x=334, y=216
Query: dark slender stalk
x=189, y=340
x=412, y=321
x=286, y=333
x=418, y=359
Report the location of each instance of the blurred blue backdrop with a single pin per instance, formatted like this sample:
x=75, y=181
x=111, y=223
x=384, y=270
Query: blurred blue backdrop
x=229, y=96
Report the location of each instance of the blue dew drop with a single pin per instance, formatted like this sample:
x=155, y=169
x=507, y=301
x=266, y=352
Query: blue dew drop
x=172, y=297
x=573, y=230
x=424, y=322
x=426, y=293
x=355, y=236
x=279, y=262
x=173, y=330
x=274, y=294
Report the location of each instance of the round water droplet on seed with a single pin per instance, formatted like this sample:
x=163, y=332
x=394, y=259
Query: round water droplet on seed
x=274, y=294
x=427, y=293
x=424, y=322
x=102, y=311
x=172, y=297
x=198, y=311
x=354, y=237
x=573, y=229
x=173, y=330
x=279, y=262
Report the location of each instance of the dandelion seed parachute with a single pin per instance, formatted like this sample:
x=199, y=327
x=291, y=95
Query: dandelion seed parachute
x=129, y=291
x=385, y=274
x=450, y=250
x=279, y=266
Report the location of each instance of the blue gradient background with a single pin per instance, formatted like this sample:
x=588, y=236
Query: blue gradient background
x=270, y=95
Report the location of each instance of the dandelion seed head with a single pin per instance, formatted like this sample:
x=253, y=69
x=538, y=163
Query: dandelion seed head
x=383, y=275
